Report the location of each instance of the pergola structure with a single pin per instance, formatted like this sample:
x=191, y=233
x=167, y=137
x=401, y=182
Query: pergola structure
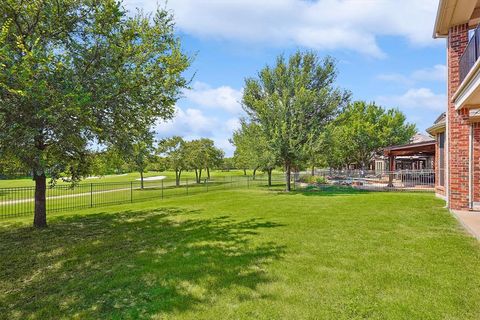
x=418, y=149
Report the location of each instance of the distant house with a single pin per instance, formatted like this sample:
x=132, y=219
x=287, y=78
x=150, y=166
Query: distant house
x=417, y=154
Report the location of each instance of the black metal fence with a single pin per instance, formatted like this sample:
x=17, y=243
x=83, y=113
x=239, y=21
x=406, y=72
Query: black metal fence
x=19, y=201
x=471, y=54
x=400, y=180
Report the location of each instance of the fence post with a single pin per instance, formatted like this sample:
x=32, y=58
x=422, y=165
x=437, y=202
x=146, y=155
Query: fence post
x=162, y=189
x=248, y=182
x=131, y=191
x=187, y=186
x=206, y=184
x=91, y=195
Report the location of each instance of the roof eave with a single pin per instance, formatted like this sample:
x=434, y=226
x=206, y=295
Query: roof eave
x=436, y=34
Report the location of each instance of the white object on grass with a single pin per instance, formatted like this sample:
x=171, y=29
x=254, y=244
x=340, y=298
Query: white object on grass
x=156, y=178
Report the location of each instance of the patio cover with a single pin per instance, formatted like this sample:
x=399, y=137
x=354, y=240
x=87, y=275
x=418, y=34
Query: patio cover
x=426, y=148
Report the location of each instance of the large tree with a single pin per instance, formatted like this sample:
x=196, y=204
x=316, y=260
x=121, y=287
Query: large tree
x=175, y=151
x=292, y=102
x=202, y=154
x=252, y=146
x=363, y=129
x=139, y=154
x=73, y=72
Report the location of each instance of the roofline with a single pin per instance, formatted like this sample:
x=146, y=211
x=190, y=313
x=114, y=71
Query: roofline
x=437, y=18
x=410, y=145
x=436, y=128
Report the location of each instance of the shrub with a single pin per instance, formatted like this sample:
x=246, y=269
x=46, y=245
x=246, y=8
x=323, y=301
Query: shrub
x=312, y=179
x=321, y=180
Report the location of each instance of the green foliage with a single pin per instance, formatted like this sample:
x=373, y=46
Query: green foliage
x=292, y=102
x=202, y=154
x=228, y=164
x=109, y=161
x=73, y=72
x=11, y=166
x=361, y=131
x=176, y=155
x=313, y=179
x=321, y=180
x=252, y=149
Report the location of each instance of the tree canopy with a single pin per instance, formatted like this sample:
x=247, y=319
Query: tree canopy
x=175, y=151
x=253, y=149
x=361, y=131
x=293, y=101
x=73, y=72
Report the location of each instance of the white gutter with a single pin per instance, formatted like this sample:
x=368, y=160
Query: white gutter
x=437, y=18
x=470, y=168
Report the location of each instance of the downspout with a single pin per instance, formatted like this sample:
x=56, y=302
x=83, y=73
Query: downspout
x=470, y=168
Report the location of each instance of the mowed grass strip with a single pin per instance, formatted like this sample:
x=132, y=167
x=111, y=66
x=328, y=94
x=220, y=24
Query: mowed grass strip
x=243, y=254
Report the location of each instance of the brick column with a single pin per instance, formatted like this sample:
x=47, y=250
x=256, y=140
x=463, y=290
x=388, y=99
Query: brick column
x=458, y=127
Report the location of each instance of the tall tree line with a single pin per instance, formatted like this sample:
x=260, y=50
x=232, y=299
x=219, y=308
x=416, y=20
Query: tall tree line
x=297, y=117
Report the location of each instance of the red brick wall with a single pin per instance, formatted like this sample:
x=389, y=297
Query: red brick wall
x=458, y=127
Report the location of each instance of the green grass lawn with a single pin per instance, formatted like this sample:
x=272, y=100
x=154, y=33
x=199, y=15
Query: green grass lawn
x=245, y=254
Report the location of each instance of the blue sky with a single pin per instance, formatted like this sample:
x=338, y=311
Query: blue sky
x=384, y=49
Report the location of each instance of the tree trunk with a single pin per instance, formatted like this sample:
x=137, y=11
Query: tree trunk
x=313, y=171
x=196, y=175
x=244, y=172
x=288, y=170
x=177, y=177
x=208, y=173
x=254, y=172
x=199, y=175
x=141, y=179
x=40, y=216
x=269, y=177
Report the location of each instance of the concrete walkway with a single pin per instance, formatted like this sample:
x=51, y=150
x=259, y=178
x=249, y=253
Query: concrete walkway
x=470, y=221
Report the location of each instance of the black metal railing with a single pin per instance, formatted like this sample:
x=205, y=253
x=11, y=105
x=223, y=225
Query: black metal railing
x=19, y=201
x=399, y=180
x=471, y=54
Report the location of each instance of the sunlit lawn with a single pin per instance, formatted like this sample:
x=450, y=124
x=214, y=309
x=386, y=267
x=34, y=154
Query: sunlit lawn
x=245, y=254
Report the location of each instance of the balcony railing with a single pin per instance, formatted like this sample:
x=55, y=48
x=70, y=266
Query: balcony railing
x=471, y=54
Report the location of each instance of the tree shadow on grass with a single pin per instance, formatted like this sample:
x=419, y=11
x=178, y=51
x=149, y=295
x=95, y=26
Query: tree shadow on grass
x=130, y=265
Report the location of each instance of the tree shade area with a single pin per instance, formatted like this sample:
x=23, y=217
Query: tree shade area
x=230, y=255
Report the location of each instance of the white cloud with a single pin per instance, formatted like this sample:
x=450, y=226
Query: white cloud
x=324, y=24
x=224, y=97
x=188, y=123
x=232, y=124
x=419, y=99
x=193, y=124
x=435, y=73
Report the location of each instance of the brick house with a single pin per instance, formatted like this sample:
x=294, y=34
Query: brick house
x=458, y=131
